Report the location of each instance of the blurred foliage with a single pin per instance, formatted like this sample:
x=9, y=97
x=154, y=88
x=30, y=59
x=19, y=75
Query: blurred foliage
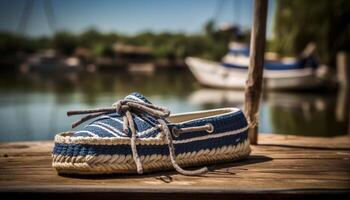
x=65, y=42
x=212, y=44
x=11, y=44
x=297, y=22
x=325, y=22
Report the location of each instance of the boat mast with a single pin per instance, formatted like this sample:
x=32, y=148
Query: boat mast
x=27, y=11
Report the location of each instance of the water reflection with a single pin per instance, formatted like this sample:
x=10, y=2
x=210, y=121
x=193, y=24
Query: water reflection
x=32, y=107
x=304, y=114
x=288, y=112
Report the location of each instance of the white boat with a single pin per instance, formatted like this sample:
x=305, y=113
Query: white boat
x=50, y=62
x=233, y=70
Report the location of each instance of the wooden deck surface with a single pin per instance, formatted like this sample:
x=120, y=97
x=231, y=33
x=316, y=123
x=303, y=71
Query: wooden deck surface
x=279, y=167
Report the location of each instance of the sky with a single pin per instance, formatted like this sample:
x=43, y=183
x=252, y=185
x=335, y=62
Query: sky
x=129, y=16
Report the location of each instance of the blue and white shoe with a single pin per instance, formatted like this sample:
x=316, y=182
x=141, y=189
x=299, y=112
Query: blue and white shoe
x=136, y=136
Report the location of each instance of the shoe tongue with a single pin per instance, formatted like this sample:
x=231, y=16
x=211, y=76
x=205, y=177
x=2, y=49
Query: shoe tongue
x=137, y=97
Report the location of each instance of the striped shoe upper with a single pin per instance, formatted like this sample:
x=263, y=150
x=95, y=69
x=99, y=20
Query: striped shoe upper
x=111, y=125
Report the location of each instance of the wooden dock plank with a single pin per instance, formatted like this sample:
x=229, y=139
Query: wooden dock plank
x=288, y=165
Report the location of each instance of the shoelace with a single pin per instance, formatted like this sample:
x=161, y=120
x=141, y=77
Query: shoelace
x=124, y=107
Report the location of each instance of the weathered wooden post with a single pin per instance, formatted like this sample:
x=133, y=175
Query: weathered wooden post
x=343, y=72
x=343, y=75
x=255, y=71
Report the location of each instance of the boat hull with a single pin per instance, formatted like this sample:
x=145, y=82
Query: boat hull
x=213, y=74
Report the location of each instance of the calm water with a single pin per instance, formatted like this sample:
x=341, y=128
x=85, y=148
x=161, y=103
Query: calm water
x=33, y=107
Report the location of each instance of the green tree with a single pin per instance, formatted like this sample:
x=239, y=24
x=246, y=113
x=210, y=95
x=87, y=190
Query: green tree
x=325, y=22
x=65, y=42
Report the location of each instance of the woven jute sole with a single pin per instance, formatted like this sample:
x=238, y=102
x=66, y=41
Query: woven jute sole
x=121, y=164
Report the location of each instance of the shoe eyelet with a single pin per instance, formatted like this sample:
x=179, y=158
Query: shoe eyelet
x=211, y=128
x=175, y=132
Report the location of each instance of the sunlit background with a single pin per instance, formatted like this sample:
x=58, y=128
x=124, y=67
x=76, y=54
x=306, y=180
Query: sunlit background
x=58, y=55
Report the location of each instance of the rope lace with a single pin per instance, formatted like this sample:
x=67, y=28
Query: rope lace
x=125, y=108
